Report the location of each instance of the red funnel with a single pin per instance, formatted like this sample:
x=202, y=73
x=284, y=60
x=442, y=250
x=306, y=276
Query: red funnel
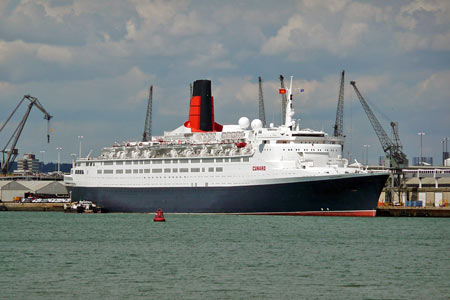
x=201, y=111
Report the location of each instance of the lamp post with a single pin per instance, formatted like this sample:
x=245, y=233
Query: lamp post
x=42, y=154
x=443, y=152
x=446, y=150
x=80, y=137
x=446, y=144
x=367, y=154
x=74, y=158
x=59, y=157
x=421, y=134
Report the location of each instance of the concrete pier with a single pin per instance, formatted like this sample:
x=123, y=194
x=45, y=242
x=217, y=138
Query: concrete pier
x=12, y=206
x=401, y=211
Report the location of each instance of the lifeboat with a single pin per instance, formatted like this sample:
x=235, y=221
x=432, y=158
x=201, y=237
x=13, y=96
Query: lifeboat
x=159, y=216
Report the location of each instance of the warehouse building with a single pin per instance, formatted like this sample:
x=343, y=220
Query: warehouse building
x=10, y=190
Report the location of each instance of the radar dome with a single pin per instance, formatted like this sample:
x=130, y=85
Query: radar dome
x=244, y=123
x=256, y=124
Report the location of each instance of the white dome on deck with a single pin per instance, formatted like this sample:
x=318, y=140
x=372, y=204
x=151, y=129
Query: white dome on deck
x=244, y=122
x=256, y=124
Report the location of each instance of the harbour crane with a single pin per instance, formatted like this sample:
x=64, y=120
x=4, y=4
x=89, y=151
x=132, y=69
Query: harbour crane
x=9, y=151
x=148, y=118
x=262, y=113
x=339, y=125
x=396, y=157
x=397, y=144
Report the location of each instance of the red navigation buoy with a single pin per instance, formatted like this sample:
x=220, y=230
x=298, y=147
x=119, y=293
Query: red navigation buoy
x=159, y=216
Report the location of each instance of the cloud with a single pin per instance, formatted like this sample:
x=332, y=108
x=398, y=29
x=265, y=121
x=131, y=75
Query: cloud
x=303, y=32
x=54, y=54
x=423, y=5
x=7, y=90
x=91, y=62
x=212, y=56
x=190, y=24
x=433, y=92
x=332, y=6
x=131, y=31
x=441, y=42
x=281, y=42
x=408, y=41
x=406, y=22
x=371, y=83
x=351, y=26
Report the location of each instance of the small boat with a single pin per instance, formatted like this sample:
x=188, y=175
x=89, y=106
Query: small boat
x=82, y=206
x=159, y=216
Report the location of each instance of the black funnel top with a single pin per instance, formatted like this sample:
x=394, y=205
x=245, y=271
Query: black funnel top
x=202, y=88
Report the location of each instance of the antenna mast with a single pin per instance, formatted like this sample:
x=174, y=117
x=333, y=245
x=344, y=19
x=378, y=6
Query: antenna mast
x=148, y=118
x=283, y=101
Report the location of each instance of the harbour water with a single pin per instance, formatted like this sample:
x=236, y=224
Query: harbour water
x=128, y=256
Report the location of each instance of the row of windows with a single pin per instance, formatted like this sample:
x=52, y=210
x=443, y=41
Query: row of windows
x=316, y=150
x=166, y=170
x=168, y=161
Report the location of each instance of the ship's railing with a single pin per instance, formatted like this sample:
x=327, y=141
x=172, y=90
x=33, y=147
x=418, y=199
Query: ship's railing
x=185, y=154
x=427, y=172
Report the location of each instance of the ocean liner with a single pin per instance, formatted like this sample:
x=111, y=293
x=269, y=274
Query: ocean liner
x=246, y=168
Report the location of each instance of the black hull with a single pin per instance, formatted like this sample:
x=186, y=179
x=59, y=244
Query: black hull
x=348, y=195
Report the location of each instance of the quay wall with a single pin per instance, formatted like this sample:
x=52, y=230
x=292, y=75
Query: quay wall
x=12, y=206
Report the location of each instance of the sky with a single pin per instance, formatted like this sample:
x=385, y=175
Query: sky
x=90, y=63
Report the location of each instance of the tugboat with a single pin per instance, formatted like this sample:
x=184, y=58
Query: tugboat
x=159, y=216
x=82, y=206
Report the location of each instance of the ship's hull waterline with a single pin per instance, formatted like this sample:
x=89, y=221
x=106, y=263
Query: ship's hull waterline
x=340, y=196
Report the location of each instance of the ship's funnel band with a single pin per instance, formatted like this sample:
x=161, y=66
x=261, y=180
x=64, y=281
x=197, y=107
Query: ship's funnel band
x=194, y=112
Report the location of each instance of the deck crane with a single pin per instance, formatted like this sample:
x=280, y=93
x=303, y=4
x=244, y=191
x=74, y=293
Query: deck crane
x=147, y=136
x=9, y=152
x=339, y=125
x=262, y=113
x=396, y=157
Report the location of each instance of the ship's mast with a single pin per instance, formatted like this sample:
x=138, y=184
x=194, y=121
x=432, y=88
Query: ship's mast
x=289, y=107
